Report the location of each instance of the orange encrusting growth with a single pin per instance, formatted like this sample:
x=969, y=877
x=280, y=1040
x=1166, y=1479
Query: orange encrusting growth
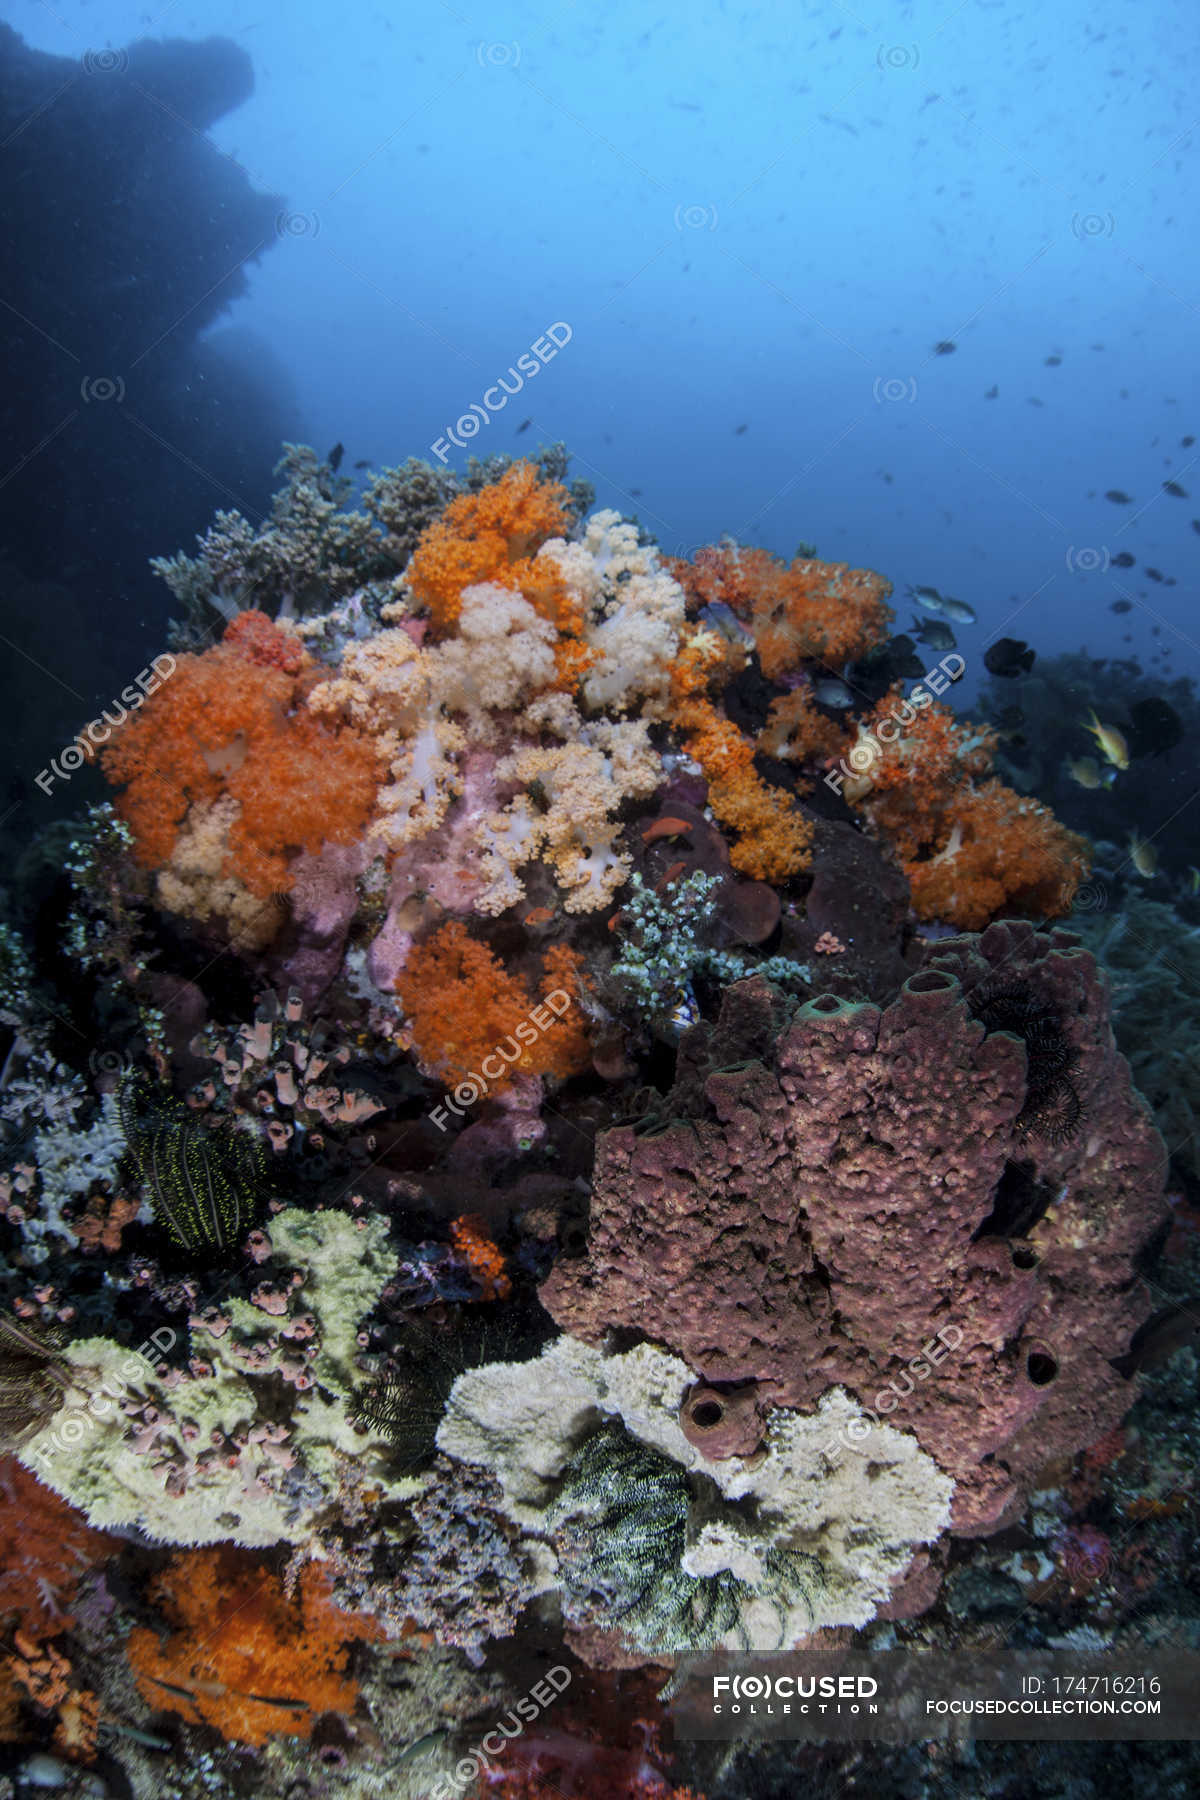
x=486, y=1263
x=228, y=724
x=465, y=1009
x=490, y=535
x=970, y=846
x=242, y=1655
x=45, y=1547
x=802, y=611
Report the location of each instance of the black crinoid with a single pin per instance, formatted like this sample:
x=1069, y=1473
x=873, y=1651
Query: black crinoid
x=206, y=1182
x=407, y=1401
x=1052, y=1106
x=33, y=1380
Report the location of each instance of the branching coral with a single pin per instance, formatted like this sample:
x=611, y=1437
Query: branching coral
x=242, y=1654
x=466, y=1009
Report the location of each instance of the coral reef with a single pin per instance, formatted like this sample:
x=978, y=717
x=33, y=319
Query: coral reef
x=814, y=1218
x=508, y=1170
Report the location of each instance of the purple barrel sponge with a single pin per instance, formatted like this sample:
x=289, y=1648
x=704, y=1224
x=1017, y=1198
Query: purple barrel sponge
x=936, y=1205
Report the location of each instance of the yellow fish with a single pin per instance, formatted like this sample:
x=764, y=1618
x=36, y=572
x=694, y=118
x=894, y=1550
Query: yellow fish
x=1142, y=854
x=1194, y=882
x=1085, y=770
x=1116, y=750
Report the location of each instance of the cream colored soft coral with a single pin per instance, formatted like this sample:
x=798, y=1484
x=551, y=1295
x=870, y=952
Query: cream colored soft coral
x=634, y=614
x=580, y=786
x=501, y=657
x=194, y=884
x=383, y=684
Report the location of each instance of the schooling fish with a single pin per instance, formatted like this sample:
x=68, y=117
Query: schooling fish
x=1173, y=487
x=1121, y=606
x=1085, y=770
x=334, y=459
x=958, y=610
x=1187, y=442
x=934, y=633
x=928, y=597
x=523, y=426
x=1115, y=749
x=1118, y=498
x=831, y=692
x=1009, y=656
x=1160, y=1337
x=1143, y=855
x=944, y=347
x=1123, y=560
x=992, y=393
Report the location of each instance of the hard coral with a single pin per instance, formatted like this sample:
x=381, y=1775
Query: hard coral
x=492, y=536
x=817, y=1214
x=243, y=1655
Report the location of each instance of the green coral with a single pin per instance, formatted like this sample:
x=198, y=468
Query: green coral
x=623, y=1516
x=661, y=952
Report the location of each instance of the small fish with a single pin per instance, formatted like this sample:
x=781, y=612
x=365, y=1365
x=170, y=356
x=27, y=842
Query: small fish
x=1159, y=1338
x=1052, y=362
x=928, y=597
x=684, y=1014
x=1086, y=771
x=1121, y=606
x=1010, y=718
x=958, y=610
x=1193, y=880
x=362, y=463
x=523, y=426
x=829, y=691
x=636, y=492
x=738, y=430
x=934, y=633
x=672, y=875
x=1143, y=855
x=668, y=827
x=1118, y=498
x=1154, y=574
x=1196, y=524
x=1173, y=488
x=541, y=915
x=334, y=459
x=944, y=347
x=993, y=393
x=1123, y=560
x=1009, y=657
x=1187, y=442
x=1115, y=749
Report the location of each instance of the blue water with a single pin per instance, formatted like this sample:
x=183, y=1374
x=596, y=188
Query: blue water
x=758, y=217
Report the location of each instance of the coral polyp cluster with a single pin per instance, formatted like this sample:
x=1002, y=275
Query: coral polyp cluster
x=548, y=1115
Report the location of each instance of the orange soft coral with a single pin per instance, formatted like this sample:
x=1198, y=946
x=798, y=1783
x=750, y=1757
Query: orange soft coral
x=45, y=1547
x=490, y=535
x=468, y=1233
x=465, y=1008
x=970, y=846
x=803, y=611
x=1005, y=853
x=797, y=731
x=226, y=726
x=243, y=1656
x=776, y=839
